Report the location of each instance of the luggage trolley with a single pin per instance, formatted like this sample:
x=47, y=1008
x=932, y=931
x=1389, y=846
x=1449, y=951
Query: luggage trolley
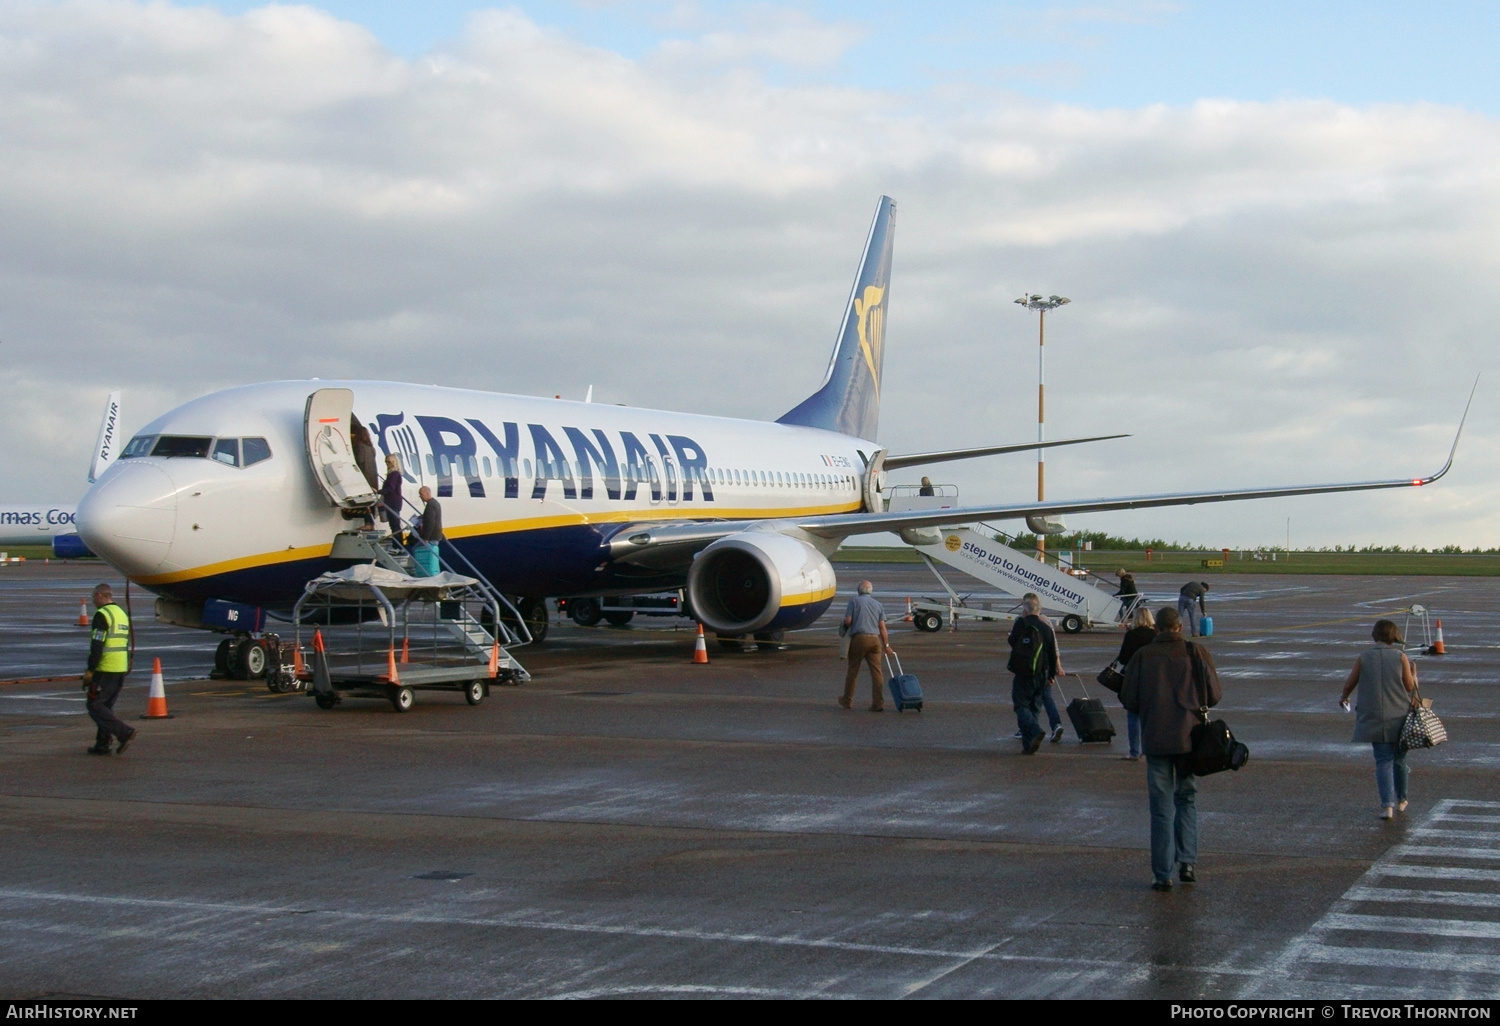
x=387, y=635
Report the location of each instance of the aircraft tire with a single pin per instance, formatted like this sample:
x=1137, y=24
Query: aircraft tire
x=619, y=619
x=251, y=662
x=402, y=698
x=770, y=641
x=584, y=611
x=534, y=612
x=222, y=656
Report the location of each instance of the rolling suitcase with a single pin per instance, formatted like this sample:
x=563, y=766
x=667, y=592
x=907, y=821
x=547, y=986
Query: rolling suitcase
x=1090, y=722
x=1205, y=627
x=906, y=691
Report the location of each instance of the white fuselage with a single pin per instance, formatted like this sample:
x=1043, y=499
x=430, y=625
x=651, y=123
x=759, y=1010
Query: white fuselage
x=35, y=523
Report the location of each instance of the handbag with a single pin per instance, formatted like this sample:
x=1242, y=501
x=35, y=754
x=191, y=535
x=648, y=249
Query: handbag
x=1215, y=748
x=1422, y=728
x=1111, y=677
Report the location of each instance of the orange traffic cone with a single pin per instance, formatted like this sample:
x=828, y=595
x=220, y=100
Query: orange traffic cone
x=495, y=659
x=298, y=669
x=1437, y=645
x=700, y=650
x=908, y=617
x=405, y=652
x=156, y=699
x=390, y=666
x=83, y=613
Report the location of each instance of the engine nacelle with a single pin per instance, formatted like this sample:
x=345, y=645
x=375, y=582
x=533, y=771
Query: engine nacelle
x=759, y=581
x=1046, y=525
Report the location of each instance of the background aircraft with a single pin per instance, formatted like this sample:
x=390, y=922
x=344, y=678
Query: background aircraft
x=44, y=523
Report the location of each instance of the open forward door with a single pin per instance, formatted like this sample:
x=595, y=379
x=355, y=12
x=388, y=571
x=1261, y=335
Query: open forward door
x=325, y=425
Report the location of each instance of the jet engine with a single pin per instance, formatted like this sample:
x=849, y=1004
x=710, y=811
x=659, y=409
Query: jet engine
x=759, y=581
x=1046, y=525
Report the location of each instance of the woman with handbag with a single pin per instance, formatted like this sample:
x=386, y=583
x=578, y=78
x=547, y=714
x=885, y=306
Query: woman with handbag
x=1387, y=684
x=1142, y=632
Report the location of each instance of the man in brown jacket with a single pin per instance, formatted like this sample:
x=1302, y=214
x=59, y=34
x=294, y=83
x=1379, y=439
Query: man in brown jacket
x=1163, y=689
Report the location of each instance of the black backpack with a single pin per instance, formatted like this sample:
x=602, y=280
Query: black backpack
x=1028, y=648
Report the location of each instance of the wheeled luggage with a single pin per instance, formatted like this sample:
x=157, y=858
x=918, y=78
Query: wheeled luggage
x=1090, y=722
x=906, y=690
x=1205, y=627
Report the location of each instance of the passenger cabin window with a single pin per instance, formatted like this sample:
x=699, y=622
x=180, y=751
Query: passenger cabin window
x=227, y=451
x=140, y=445
x=255, y=450
x=182, y=445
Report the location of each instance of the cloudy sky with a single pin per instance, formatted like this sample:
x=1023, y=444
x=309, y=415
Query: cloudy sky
x=1278, y=228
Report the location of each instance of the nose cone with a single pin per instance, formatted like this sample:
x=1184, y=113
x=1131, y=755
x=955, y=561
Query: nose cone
x=130, y=517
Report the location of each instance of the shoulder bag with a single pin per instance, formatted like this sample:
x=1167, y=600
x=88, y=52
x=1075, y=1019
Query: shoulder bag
x=1112, y=677
x=1422, y=728
x=1214, y=746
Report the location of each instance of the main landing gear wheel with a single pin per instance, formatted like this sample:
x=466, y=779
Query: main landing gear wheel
x=584, y=611
x=928, y=622
x=1072, y=624
x=325, y=701
x=731, y=644
x=534, y=612
x=770, y=641
x=402, y=698
x=474, y=692
x=224, y=656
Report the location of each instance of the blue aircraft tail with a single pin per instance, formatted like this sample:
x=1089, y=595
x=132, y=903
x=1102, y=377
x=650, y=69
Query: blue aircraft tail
x=849, y=401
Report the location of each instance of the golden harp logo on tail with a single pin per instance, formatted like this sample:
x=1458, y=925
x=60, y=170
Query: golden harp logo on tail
x=869, y=317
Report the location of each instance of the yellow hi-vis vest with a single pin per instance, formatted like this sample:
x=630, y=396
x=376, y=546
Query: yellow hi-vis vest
x=116, y=657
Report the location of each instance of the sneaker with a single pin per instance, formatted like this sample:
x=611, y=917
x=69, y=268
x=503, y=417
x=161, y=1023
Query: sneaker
x=1032, y=745
x=844, y=703
x=1162, y=885
x=1389, y=812
x=1401, y=805
x=1056, y=734
x=125, y=742
x=1018, y=734
x=1185, y=873
x=99, y=750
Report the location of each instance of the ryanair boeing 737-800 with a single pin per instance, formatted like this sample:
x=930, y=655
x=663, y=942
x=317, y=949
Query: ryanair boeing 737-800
x=239, y=495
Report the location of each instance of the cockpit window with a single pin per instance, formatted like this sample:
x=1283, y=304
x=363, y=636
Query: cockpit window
x=227, y=451
x=182, y=445
x=256, y=450
x=140, y=445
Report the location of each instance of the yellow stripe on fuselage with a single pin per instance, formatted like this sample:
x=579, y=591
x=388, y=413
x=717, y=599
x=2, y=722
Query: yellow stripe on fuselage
x=291, y=555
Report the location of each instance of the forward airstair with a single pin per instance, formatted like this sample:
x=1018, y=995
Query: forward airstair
x=1080, y=603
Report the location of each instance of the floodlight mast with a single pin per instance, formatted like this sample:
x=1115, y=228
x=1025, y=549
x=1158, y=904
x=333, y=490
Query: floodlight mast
x=1041, y=306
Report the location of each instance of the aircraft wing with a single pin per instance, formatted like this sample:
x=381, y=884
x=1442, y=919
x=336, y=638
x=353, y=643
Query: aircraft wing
x=946, y=455
x=662, y=545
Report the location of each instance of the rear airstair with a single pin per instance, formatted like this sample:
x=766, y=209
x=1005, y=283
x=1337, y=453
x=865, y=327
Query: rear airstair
x=1078, y=601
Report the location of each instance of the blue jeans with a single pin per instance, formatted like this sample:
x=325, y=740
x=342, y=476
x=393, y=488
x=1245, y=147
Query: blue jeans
x=1026, y=696
x=1188, y=610
x=1053, y=720
x=1174, y=815
x=1133, y=731
x=1390, y=772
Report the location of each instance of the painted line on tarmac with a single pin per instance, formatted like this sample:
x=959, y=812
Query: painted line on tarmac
x=530, y=922
x=1410, y=924
x=1406, y=896
x=1434, y=851
x=1437, y=873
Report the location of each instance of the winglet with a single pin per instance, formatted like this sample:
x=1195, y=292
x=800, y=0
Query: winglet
x=1456, y=436
x=108, y=441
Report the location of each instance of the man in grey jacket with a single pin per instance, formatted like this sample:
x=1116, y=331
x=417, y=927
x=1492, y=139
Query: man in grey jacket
x=1166, y=683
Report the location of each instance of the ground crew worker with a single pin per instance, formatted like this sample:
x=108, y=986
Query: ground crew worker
x=109, y=661
x=864, y=622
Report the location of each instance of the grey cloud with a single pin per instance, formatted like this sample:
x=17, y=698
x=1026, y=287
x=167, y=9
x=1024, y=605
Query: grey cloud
x=1262, y=292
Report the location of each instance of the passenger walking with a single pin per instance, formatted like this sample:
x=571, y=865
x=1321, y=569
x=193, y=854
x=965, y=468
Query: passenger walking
x=864, y=623
x=390, y=493
x=364, y=452
x=1191, y=607
x=1142, y=632
x=1128, y=594
x=1034, y=663
x=1387, y=682
x=430, y=533
x=109, y=662
x=1166, y=683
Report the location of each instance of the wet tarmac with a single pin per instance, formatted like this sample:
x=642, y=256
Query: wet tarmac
x=629, y=823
